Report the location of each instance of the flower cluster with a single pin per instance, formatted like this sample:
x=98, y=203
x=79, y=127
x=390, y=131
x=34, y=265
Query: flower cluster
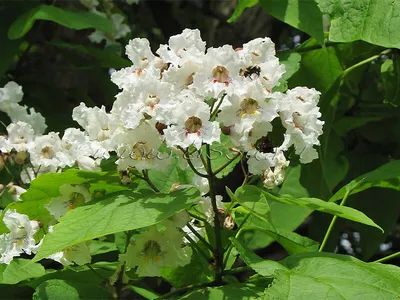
x=170, y=105
x=183, y=96
x=46, y=152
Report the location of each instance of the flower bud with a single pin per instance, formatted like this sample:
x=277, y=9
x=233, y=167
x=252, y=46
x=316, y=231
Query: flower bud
x=160, y=127
x=20, y=157
x=226, y=130
x=229, y=223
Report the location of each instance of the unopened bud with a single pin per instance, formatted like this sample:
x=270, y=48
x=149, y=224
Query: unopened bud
x=226, y=130
x=160, y=127
x=229, y=223
x=20, y=157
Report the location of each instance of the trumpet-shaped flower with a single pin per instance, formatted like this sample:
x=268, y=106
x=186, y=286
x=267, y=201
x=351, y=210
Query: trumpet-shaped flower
x=190, y=123
x=71, y=197
x=155, y=249
x=20, y=238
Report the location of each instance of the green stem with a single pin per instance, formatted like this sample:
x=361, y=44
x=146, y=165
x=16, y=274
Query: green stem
x=198, y=235
x=311, y=48
x=229, y=249
x=365, y=61
x=187, y=288
x=197, y=248
x=238, y=270
x=219, y=251
x=226, y=164
x=197, y=217
x=328, y=232
x=389, y=257
x=149, y=182
x=246, y=177
x=119, y=283
x=185, y=156
x=214, y=113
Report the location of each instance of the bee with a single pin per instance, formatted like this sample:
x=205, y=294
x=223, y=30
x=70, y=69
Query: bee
x=253, y=70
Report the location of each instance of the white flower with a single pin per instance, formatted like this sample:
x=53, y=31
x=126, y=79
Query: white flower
x=275, y=177
x=219, y=73
x=80, y=148
x=119, y=30
x=139, y=148
x=46, y=150
x=260, y=62
x=249, y=101
x=79, y=254
x=190, y=123
x=299, y=114
x=20, y=136
x=10, y=94
x=71, y=197
x=147, y=99
x=20, y=238
x=88, y=164
x=187, y=46
x=139, y=52
x=99, y=125
x=155, y=249
x=258, y=50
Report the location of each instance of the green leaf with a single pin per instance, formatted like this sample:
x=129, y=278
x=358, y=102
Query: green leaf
x=81, y=274
x=227, y=292
x=390, y=71
x=252, y=199
x=304, y=15
x=71, y=19
x=335, y=164
x=114, y=213
x=373, y=21
x=255, y=228
x=291, y=60
x=99, y=247
x=346, y=123
x=107, y=58
x=47, y=186
x=197, y=271
x=319, y=68
x=18, y=270
x=165, y=180
x=146, y=293
x=333, y=277
x=9, y=48
x=60, y=289
x=261, y=266
x=242, y=5
x=386, y=176
x=326, y=207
